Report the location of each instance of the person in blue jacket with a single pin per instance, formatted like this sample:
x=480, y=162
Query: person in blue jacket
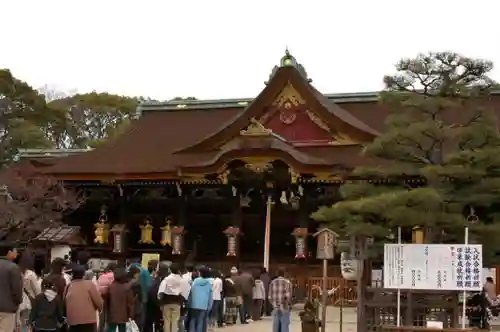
x=200, y=301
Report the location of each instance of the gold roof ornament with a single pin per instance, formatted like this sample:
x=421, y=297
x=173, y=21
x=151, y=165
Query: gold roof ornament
x=289, y=97
x=255, y=128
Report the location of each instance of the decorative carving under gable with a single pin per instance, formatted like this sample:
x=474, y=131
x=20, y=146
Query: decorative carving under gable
x=317, y=121
x=338, y=138
x=288, y=97
x=255, y=128
x=342, y=139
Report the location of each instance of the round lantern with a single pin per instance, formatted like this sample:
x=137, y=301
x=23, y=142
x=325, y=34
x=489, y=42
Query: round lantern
x=350, y=268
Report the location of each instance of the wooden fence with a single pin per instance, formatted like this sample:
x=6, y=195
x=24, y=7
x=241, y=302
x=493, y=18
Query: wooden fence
x=345, y=290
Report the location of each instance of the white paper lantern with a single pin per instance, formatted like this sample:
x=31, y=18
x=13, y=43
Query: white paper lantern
x=350, y=268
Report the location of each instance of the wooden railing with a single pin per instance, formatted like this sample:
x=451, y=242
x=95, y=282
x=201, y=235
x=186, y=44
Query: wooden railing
x=345, y=294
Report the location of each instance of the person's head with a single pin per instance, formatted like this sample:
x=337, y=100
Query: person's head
x=308, y=306
x=152, y=265
x=78, y=272
x=174, y=268
x=57, y=265
x=134, y=271
x=190, y=268
x=121, y=275
x=204, y=272
x=26, y=262
x=12, y=253
x=234, y=271
x=83, y=258
x=281, y=272
x=489, y=279
x=48, y=284
x=163, y=271
x=111, y=267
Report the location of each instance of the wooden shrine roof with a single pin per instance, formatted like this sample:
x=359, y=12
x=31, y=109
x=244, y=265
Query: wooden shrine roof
x=168, y=137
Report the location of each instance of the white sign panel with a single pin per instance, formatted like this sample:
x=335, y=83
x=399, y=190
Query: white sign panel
x=433, y=266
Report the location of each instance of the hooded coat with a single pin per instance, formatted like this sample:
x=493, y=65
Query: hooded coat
x=200, y=296
x=47, y=311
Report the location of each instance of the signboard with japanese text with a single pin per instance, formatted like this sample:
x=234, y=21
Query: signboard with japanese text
x=433, y=266
x=326, y=244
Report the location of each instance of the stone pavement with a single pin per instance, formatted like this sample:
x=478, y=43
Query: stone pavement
x=332, y=318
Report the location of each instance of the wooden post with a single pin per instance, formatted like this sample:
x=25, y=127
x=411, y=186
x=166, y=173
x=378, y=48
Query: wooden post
x=326, y=239
x=267, y=232
x=359, y=250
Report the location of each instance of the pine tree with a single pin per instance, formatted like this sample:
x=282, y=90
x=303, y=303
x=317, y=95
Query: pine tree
x=438, y=158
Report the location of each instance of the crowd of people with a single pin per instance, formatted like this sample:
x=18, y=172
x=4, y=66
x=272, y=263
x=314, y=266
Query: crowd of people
x=131, y=298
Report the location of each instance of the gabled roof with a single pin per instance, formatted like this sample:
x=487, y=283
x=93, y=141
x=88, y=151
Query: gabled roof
x=339, y=118
x=161, y=143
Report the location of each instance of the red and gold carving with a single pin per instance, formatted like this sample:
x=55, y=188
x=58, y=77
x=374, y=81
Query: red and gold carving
x=289, y=119
x=300, y=234
x=232, y=234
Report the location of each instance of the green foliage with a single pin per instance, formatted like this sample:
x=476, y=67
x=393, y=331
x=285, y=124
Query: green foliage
x=23, y=115
x=85, y=120
x=439, y=157
x=31, y=119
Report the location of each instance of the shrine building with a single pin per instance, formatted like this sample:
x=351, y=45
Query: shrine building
x=224, y=182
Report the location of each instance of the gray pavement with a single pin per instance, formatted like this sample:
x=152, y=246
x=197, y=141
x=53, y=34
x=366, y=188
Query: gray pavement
x=332, y=318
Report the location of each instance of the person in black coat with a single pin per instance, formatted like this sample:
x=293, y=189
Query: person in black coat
x=47, y=309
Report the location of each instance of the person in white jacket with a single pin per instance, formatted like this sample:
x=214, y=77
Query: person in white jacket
x=172, y=293
x=216, y=315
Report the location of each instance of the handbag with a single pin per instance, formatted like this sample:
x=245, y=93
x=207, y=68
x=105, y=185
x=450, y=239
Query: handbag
x=132, y=326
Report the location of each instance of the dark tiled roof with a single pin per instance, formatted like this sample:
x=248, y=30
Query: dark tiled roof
x=58, y=234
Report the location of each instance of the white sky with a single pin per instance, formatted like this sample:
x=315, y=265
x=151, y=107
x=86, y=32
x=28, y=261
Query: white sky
x=226, y=49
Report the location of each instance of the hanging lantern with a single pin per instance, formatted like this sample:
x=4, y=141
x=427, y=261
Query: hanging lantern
x=146, y=233
x=166, y=233
x=350, y=268
x=300, y=234
x=232, y=238
x=118, y=232
x=177, y=236
x=101, y=228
